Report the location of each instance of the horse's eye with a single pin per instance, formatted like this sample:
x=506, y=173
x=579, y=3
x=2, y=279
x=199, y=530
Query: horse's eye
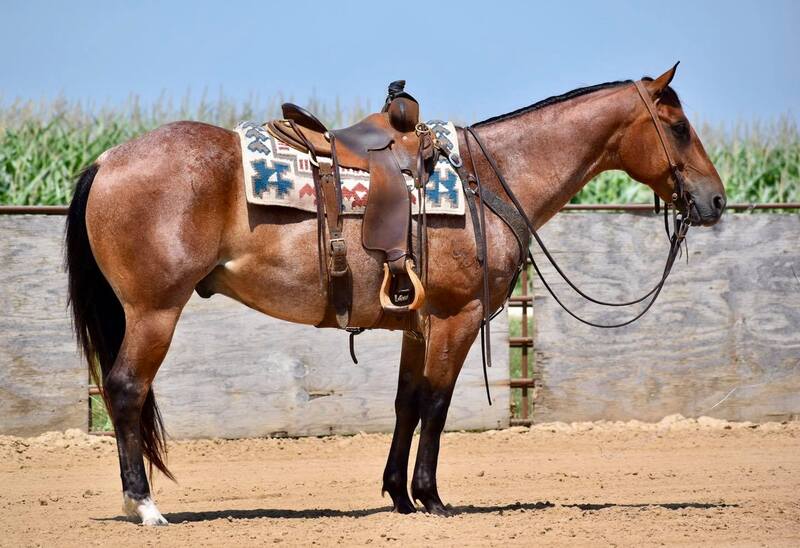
x=680, y=130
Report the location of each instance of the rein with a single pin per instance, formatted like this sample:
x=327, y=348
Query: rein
x=681, y=202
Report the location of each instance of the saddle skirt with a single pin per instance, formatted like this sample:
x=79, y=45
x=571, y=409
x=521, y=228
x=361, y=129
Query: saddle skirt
x=276, y=174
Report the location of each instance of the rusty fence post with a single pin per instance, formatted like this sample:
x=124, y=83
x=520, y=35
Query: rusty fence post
x=526, y=380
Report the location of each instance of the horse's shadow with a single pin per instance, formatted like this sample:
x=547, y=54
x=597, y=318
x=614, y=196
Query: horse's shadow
x=590, y=507
x=315, y=513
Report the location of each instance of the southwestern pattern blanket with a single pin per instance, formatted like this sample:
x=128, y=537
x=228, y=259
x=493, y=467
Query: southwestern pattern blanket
x=277, y=175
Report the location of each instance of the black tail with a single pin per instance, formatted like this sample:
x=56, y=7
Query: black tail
x=99, y=320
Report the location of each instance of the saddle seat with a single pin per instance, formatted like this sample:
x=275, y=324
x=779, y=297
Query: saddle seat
x=395, y=126
x=386, y=144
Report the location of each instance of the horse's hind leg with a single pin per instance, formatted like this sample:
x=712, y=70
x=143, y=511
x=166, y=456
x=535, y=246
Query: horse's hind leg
x=406, y=407
x=148, y=333
x=450, y=341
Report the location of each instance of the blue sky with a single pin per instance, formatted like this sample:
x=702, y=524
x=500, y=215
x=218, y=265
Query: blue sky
x=739, y=60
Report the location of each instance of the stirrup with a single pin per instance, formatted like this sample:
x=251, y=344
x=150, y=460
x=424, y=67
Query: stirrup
x=419, y=290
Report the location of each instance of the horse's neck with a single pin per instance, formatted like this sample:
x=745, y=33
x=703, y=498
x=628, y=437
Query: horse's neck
x=548, y=155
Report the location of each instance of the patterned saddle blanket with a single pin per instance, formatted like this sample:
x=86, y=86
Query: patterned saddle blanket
x=275, y=174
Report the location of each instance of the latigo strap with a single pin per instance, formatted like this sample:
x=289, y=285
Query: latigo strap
x=386, y=144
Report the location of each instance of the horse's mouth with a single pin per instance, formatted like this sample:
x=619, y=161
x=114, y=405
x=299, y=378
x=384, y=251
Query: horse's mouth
x=697, y=216
x=694, y=218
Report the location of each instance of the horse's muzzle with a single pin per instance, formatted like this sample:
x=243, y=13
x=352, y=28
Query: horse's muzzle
x=706, y=210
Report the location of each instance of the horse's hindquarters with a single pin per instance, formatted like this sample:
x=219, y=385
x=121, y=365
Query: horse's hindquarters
x=158, y=208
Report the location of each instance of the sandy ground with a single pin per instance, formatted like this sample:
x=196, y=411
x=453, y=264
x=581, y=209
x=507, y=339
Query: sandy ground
x=677, y=482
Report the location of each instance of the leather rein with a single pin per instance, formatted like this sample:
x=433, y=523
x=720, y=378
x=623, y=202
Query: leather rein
x=681, y=202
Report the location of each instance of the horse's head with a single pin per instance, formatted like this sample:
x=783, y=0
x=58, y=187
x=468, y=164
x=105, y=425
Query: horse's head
x=643, y=155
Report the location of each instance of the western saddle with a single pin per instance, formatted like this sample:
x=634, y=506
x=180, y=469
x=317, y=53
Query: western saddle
x=387, y=144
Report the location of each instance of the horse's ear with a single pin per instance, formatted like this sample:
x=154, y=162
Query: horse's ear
x=655, y=87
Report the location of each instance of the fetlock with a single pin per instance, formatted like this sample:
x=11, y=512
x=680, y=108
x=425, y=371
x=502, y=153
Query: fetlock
x=394, y=483
x=423, y=489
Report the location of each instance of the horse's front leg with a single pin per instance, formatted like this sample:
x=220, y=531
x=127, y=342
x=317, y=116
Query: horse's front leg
x=406, y=407
x=449, y=342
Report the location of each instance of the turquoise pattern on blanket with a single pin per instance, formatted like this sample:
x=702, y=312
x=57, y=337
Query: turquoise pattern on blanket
x=263, y=178
x=434, y=193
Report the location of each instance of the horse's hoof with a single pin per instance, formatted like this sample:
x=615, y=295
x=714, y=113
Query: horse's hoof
x=439, y=509
x=155, y=521
x=401, y=503
x=432, y=502
x=404, y=507
x=143, y=511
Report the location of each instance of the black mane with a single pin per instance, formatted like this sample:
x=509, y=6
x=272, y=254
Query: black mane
x=553, y=100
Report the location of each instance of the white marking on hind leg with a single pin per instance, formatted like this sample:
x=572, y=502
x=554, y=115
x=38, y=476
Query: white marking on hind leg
x=144, y=510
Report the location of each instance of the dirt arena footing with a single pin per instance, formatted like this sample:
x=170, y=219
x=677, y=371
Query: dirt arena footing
x=680, y=481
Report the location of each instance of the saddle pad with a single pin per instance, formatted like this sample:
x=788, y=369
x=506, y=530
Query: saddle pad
x=277, y=175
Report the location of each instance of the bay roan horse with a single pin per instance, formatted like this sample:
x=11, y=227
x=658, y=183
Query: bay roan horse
x=165, y=214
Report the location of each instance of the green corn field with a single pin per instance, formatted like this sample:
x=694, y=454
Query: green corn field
x=43, y=147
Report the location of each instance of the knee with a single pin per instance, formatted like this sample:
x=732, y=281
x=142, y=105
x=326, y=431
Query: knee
x=434, y=410
x=407, y=399
x=406, y=403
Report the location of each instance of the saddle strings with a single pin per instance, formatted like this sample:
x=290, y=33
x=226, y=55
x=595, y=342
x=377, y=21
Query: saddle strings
x=322, y=251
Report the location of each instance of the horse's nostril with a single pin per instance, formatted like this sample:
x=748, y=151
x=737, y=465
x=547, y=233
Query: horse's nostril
x=719, y=203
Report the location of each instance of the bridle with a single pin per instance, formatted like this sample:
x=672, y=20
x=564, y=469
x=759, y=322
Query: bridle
x=680, y=197
x=681, y=204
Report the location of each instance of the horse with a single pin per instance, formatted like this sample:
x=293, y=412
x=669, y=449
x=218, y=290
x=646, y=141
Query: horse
x=165, y=214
